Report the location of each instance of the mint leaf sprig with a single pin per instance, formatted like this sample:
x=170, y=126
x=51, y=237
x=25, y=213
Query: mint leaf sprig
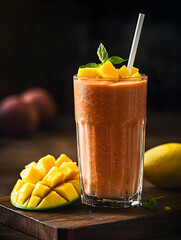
x=116, y=60
x=102, y=53
x=103, y=57
x=150, y=202
x=91, y=65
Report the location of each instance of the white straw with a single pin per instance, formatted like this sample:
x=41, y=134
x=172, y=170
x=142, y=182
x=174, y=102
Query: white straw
x=135, y=41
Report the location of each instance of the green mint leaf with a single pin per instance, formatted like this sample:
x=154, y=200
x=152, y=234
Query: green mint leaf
x=89, y=65
x=102, y=53
x=103, y=57
x=150, y=202
x=116, y=60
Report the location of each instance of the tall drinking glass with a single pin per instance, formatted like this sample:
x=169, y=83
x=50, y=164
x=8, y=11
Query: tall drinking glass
x=110, y=123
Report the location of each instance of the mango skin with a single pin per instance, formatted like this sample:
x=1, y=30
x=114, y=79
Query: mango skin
x=42, y=209
x=162, y=165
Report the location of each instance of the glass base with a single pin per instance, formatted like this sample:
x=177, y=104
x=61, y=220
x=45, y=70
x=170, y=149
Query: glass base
x=123, y=202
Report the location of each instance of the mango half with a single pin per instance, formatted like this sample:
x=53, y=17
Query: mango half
x=47, y=184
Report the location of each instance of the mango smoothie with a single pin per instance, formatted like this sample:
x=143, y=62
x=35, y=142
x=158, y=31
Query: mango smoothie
x=110, y=118
x=110, y=115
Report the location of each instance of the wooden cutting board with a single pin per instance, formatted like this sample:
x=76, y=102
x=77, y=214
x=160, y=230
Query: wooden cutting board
x=83, y=222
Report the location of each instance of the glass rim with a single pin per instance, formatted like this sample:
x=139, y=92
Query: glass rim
x=143, y=77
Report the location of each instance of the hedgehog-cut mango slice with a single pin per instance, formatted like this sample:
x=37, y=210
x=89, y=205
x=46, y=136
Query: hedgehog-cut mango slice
x=47, y=184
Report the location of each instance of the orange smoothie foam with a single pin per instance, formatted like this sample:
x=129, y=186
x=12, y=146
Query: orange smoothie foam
x=110, y=119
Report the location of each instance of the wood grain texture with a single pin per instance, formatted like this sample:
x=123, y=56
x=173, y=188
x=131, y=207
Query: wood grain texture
x=7, y=233
x=78, y=221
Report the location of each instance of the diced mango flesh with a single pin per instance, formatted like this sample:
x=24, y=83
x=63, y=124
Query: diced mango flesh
x=107, y=70
x=32, y=164
x=136, y=75
x=24, y=193
x=67, y=191
x=26, y=203
x=53, y=177
x=76, y=185
x=34, y=201
x=45, y=164
x=55, y=199
x=17, y=187
x=69, y=169
x=61, y=159
x=123, y=72
x=44, y=204
x=31, y=174
x=87, y=72
x=14, y=196
x=134, y=70
x=39, y=190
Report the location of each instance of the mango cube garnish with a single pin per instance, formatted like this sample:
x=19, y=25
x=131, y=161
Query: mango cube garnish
x=134, y=70
x=107, y=70
x=87, y=72
x=47, y=184
x=137, y=76
x=123, y=72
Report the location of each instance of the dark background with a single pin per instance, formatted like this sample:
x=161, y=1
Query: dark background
x=43, y=42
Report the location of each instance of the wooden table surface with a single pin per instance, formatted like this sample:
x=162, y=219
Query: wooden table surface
x=15, y=153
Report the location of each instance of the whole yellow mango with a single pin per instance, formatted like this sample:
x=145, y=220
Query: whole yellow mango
x=162, y=165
